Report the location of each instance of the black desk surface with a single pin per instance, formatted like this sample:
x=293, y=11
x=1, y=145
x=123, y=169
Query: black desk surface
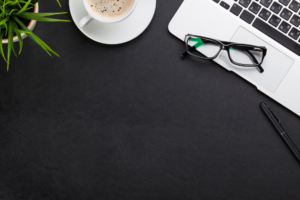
x=134, y=121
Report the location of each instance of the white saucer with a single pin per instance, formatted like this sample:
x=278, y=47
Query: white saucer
x=119, y=32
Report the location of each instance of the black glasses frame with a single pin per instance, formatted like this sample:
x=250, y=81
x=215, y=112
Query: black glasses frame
x=226, y=46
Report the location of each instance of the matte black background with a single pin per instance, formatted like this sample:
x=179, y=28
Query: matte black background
x=134, y=121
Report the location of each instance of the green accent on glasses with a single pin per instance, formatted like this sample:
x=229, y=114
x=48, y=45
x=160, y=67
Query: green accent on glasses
x=199, y=42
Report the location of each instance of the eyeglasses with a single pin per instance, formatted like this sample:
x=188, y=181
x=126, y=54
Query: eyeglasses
x=243, y=55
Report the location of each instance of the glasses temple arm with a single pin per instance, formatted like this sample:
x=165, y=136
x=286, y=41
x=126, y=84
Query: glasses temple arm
x=259, y=67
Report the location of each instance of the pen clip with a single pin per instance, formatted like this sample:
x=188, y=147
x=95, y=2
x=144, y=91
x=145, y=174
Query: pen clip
x=274, y=115
x=279, y=125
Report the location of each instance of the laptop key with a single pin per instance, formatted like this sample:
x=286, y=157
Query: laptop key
x=254, y=7
x=264, y=14
x=277, y=36
x=217, y=1
x=266, y=3
x=284, y=27
x=294, y=33
x=286, y=14
x=285, y=2
x=224, y=5
x=274, y=20
x=294, y=6
x=276, y=7
x=245, y=3
x=236, y=9
x=247, y=16
x=295, y=20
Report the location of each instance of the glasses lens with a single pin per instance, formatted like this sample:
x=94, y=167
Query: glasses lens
x=206, y=48
x=246, y=55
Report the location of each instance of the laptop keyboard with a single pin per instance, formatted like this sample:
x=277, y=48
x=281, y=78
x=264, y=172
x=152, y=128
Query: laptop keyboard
x=277, y=19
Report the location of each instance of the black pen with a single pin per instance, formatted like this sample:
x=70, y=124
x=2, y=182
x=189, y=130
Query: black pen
x=277, y=124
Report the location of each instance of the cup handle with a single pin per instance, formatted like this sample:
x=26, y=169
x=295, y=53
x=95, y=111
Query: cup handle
x=85, y=20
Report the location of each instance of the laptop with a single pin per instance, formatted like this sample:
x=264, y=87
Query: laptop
x=270, y=23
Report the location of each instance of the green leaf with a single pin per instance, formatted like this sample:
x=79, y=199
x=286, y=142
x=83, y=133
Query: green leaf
x=6, y=29
x=40, y=17
x=22, y=31
x=1, y=47
x=11, y=35
x=36, y=38
x=10, y=44
x=43, y=14
x=24, y=8
x=4, y=20
x=13, y=11
x=15, y=29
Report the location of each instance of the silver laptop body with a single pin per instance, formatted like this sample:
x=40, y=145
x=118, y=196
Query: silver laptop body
x=251, y=22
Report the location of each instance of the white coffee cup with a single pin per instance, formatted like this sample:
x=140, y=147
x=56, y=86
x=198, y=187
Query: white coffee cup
x=91, y=15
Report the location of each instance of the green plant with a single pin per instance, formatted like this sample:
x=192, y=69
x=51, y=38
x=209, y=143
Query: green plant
x=12, y=12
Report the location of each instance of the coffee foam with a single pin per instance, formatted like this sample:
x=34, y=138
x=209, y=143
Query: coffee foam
x=110, y=8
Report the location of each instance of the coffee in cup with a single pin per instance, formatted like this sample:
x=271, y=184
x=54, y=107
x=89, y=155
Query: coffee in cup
x=107, y=11
x=110, y=9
